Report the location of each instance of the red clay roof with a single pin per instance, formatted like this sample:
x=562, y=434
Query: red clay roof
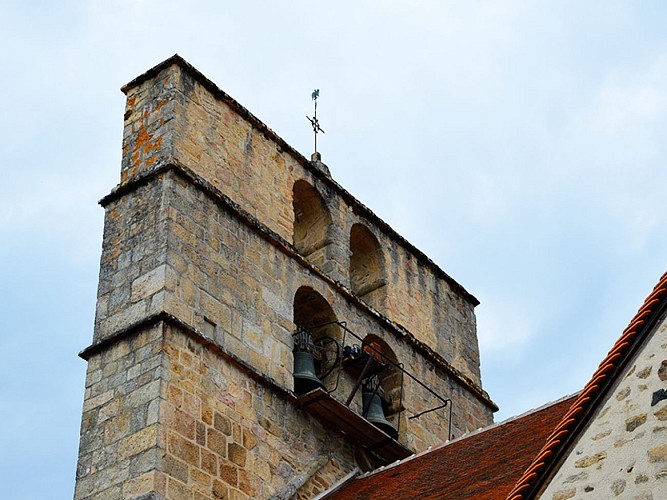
x=482, y=465
x=592, y=395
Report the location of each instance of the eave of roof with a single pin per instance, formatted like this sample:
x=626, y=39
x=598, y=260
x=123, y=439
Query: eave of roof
x=593, y=394
x=480, y=465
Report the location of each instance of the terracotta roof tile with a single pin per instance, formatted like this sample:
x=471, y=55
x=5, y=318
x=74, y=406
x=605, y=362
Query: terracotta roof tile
x=588, y=399
x=482, y=465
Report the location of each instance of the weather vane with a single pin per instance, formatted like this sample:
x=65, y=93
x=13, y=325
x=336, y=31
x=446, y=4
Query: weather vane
x=313, y=121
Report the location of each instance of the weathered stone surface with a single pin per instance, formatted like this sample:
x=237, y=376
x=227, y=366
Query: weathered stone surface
x=658, y=454
x=564, y=494
x=662, y=370
x=635, y=421
x=237, y=454
x=590, y=460
x=175, y=411
x=618, y=486
x=138, y=442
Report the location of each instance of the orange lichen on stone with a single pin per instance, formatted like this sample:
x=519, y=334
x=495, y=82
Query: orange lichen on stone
x=160, y=104
x=152, y=146
x=142, y=138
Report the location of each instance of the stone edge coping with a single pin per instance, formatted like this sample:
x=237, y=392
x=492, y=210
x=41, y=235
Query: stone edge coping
x=357, y=206
x=287, y=248
x=165, y=317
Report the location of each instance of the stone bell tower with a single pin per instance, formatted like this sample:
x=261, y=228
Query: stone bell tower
x=225, y=251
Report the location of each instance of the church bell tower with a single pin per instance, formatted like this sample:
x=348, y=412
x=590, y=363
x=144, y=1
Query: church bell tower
x=259, y=332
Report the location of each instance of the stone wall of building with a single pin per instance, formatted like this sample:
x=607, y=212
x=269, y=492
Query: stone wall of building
x=122, y=440
x=175, y=115
x=167, y=414
x=204, y=279
x=227, y=279
x=623, y=452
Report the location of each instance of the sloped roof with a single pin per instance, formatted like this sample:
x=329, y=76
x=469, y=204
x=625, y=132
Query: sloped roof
x=483, y=465
x=593, y=395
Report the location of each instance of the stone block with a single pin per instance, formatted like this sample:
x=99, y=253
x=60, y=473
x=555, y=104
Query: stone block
x=658, y=454
x=140, y=485
x=633, y=422
x=176, y=468
x=98, y=400
x=216, y=442
x=138, y=442
x=229, y=473
x=143, y=395
x=209, y=462
x=177, y=489
x=221, y=490
x=590, y=460
x=222, y=423
x=237, y=454
x=117, y=427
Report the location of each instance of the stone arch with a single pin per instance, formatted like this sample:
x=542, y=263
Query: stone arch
x=314, y=316
x=367, y=269
x=311, y=311
x=391, y=377
x=312, y=219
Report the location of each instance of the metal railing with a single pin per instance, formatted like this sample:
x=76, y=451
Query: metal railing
x=379, y=355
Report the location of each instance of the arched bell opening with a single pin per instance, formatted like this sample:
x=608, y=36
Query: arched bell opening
x=383, y=392
x=312, y=219
x=367, y=269
x=317, y=340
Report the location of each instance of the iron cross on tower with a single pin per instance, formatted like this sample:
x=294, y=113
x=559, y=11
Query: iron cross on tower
x=313, y=121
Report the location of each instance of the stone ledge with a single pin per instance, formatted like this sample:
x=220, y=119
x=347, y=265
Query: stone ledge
x=169, y=319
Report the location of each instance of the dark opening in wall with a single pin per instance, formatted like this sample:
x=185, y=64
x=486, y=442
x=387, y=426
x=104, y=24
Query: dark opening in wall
x=312, y=310
x=311, y=219
x=390, y=378
x=316, y=340
x=367, y=274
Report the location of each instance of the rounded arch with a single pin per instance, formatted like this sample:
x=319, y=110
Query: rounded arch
x=390, y=380
x=311, y=219
x=313, y=313
x=367, y=270
x=316, y=325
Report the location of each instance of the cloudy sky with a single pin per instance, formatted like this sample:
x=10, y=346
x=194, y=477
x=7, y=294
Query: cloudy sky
x=520, y=144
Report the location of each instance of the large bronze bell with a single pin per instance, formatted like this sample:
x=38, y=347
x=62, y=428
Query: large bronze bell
x=375, y=413
x=305, y=379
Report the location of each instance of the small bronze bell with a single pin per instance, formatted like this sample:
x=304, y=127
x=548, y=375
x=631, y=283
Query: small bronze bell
x=305, y=379
x=375, y=413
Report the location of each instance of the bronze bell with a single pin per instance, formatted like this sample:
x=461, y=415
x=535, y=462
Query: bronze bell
x=375, y=413
x=305, y=379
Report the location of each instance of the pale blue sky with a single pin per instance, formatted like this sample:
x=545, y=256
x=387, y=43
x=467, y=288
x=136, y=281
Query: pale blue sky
x=520, y=144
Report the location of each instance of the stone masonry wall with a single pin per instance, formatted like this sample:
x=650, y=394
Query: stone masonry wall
x=188, y=391
x=623, y=452
x=215, y=273
x=165, y=414
x=239, y=289
x=228, y=436
x=178, y=116
x=122, y=441
x=133, y=270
